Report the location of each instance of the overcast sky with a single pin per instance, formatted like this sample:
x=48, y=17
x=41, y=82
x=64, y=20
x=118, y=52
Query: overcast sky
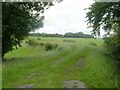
x=67, y=16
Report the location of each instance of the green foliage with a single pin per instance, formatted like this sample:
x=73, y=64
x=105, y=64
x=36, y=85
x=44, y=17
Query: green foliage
x=50, y=46
x=41, y=44
x=60, y=48
x=67, y=35
x=77, y=35
x=113, y=46
x=48, y=69
x=38, y=38
x=46, y=35
x=68, y=40
x=31, y=42
x=18, y=19
x=47, y=46
x=107, y=16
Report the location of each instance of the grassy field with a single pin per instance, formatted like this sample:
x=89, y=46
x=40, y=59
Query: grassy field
x=72, y=59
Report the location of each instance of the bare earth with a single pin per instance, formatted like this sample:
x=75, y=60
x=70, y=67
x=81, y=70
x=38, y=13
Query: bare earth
x=74, y=84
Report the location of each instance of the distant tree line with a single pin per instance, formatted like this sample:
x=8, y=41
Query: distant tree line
x=77, y=35
x=46, y=35
x=66, y=35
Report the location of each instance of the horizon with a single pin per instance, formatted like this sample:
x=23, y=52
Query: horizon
x=62, y=18
x=57, y=33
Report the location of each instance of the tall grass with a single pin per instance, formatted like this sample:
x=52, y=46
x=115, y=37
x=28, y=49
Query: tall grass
x=84, y=60
x=100, y=71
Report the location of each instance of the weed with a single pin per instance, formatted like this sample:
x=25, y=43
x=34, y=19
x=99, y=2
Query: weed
x=31, y=42
x=98, y=70
x=41, y=44
x=38, y=38
x=65, y=40
x=50, y=46
x=60, y=48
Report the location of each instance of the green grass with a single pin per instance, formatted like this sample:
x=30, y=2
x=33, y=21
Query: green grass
x=83, y=59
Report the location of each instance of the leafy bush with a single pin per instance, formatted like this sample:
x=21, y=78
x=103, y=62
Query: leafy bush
x=50, y=46
x=31, y=42
x=41, y=44
x=38, y=38
x=113, y=46
x=68, y=40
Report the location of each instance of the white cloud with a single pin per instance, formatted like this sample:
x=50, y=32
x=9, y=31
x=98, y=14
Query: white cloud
x=67, y=16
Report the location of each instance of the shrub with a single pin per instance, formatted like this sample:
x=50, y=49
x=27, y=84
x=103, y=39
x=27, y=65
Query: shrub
x=31, y=42
x=50, y=46
x=68, y=40
x=55, y=46
x=38, y=38
x=113, y=46
x=41, y=44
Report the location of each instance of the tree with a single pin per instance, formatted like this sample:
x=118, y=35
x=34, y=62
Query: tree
x=107, y=16
x=18, y=19
x=77, y=35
